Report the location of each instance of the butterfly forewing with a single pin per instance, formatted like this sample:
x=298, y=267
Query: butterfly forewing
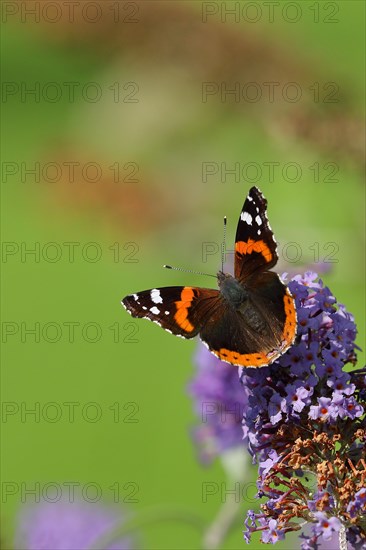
x=181, y=310
x=255, y=246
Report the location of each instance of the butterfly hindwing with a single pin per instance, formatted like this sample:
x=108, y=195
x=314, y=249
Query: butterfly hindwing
x=276, y=305
x=258, y=332
x=255, y=246
x=181, y=310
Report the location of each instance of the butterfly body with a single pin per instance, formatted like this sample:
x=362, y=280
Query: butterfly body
x=239, y=299
x=250, y=320
x=232, y=291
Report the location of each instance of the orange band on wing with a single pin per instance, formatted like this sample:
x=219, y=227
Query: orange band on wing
x=243, y=247
x=289, y=330
x=261, y=359
x=183, y=305
x=243, y=359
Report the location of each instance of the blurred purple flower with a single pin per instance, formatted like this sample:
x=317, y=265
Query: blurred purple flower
x=68, y=526
x=220, y=400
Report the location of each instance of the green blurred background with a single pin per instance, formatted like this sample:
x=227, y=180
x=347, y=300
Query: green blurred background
x=160, y=208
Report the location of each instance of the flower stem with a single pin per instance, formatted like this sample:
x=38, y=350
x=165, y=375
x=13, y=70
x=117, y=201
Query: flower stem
x=342, y=538
x=217, y=531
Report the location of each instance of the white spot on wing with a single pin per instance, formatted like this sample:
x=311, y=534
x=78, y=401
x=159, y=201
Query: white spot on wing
x=155, y=310
x=155, y=296
x=258, y=220
x=246, y=217
x=135, y=297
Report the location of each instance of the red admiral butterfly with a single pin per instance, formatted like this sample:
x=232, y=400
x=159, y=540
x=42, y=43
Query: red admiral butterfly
x=251, y=320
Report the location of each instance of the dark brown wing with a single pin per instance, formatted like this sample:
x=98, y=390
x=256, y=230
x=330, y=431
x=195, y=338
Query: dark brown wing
x=276, y=304
x=255, y=246
x=181, y=310
x=259, y=332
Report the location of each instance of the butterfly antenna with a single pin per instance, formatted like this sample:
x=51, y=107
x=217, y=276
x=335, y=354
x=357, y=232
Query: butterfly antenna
x=223, y=246
x=189, y=271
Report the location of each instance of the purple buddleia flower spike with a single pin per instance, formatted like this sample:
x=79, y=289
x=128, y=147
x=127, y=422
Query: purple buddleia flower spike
x=306, y=428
